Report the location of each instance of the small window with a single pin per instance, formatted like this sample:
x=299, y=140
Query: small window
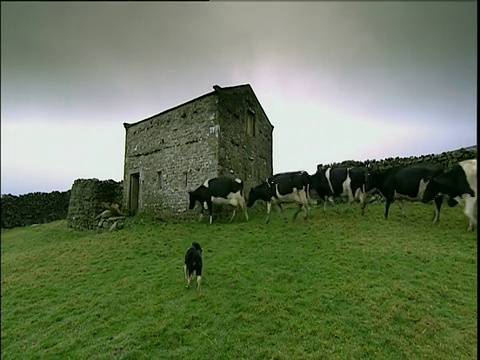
x=251, y=122
x=160, y=180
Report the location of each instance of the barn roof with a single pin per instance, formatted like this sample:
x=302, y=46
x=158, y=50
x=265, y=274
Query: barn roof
x=216, y=89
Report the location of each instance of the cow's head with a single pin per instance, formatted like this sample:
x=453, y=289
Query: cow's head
x=197, y=247
x=434, y=187
x=373, y=181
x=260, y=192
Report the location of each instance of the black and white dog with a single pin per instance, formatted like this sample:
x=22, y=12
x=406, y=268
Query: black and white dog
x=193, y=264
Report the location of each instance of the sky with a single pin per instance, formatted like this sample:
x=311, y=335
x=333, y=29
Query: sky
x=338, y=80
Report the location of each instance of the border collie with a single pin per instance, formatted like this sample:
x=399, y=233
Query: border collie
x=193, y=264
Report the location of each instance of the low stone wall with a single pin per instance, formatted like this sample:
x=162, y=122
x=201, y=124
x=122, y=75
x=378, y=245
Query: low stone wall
x=34, y=208
x=446, y=159
x=87, y=196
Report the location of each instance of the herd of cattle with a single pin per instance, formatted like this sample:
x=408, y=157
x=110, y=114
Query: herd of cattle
x=423, y=183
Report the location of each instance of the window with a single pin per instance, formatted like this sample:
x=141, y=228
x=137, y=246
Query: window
x=160, y=180
x=251, y=122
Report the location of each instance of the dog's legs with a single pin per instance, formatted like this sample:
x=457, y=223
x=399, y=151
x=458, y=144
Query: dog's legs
x=199, y=281
x=190, y=276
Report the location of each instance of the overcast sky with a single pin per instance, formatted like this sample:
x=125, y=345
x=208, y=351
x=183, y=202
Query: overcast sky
x=338, y=80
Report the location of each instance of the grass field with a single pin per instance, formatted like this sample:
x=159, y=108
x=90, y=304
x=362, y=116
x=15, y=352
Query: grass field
x=337, y=286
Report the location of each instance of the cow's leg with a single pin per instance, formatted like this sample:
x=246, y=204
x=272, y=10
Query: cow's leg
x=305, y=210
x=401, y=204
x=307, y=196
x=363, y=201
x=307, y=190
x=351, y=198
x=233, y=215
x=469, y=211
x=269, y=208
x=304, y=200
x=330, y=199
x=201, y=212
x=210, y=210
x=243, y=206
x=189, y=278
x=438, y=205
x=280, y=210
x=387, y=207
x=298, y=210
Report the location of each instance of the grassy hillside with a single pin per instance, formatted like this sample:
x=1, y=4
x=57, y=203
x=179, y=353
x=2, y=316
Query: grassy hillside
x=335, y=286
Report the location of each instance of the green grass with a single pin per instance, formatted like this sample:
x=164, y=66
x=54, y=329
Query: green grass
x=337, y=286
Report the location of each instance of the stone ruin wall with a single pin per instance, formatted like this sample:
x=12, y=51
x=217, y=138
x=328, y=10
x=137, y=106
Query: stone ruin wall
x=86, y=198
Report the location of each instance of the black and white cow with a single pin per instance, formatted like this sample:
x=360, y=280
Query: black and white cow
x=460, y=183
x=341, y=181
x=405, y=183
x=219, y=191
x=193, y=264
x=288, y=187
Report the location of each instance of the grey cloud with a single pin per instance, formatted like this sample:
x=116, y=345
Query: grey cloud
x=412, y=63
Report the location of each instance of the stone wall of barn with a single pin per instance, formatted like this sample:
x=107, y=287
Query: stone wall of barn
x=241, y=154
x=446, y=159
x=86, y=197
x=171, y=153
x=34, y=208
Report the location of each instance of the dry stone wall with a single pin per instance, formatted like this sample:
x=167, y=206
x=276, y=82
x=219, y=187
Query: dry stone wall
x=34, y=208
x=87, y=196
x=446, y=159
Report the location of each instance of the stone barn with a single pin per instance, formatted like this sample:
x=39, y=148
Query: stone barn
x=224, y=132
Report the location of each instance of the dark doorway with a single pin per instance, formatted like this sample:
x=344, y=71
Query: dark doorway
x=134, y=191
